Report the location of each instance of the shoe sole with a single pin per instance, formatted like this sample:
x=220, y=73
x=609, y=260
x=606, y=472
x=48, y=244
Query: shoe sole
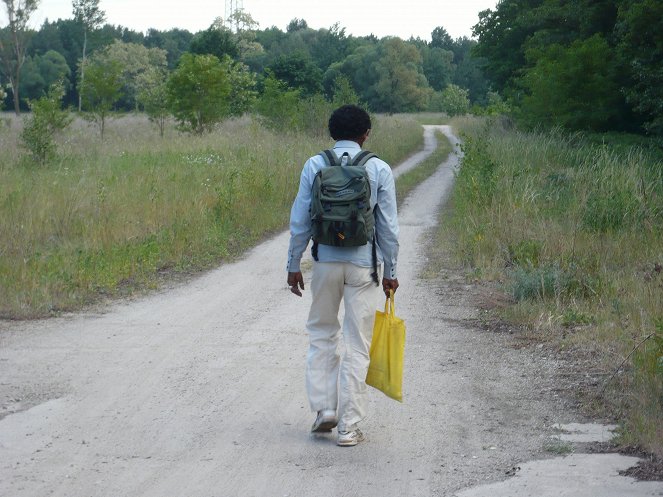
x=350, y=443
x=324, y=427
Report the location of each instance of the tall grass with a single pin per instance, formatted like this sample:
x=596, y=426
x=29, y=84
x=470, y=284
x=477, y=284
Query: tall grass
x=573, y=231
x=110, y=217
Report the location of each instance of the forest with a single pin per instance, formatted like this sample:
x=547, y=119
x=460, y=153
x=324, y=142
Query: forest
x=388, y=75
x=576, y=64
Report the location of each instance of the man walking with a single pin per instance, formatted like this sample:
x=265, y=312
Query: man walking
x=336, y=388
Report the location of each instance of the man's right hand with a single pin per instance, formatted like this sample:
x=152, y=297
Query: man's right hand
x=388, y=284
x=295, y=282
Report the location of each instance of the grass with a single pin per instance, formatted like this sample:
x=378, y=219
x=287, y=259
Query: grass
x=112, y=217
x=571, y=228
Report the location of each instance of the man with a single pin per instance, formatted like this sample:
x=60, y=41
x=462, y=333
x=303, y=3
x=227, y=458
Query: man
x=337, y=389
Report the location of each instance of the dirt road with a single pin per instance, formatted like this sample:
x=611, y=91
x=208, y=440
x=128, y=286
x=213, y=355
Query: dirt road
x=199, y=390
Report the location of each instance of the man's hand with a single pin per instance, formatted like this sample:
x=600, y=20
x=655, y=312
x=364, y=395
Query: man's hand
x=388, y=284
x=296, y=281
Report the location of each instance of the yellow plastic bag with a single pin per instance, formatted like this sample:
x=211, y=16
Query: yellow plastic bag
x=385, y=371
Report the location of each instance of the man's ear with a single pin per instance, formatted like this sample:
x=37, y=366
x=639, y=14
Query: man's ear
x=364, y=137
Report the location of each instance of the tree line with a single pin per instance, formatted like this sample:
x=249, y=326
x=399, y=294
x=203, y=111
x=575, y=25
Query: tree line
x=579, y=64
x=115, y=68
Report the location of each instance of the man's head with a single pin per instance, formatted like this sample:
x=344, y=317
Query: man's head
x=349, y=122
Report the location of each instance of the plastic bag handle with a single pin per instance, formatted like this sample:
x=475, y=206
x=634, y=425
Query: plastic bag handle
x=389, y=305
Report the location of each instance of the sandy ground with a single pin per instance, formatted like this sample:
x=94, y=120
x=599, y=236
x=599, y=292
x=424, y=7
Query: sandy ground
x=199, y=390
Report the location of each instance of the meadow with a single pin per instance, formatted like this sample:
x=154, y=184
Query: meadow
x=112, y=217
x=569, y=228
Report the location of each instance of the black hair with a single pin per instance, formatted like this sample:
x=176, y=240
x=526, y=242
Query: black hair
x=349, y=122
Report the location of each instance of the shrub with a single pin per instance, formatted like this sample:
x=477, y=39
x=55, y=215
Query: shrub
x=46, y=120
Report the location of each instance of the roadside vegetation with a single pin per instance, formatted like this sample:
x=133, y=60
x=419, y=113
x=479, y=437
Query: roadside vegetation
x=110, y=217
x=571, y=230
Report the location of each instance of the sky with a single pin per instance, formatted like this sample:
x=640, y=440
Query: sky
x=382, y=18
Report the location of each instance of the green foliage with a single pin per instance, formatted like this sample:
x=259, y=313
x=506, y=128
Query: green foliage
x=299, y=72
x=215, y=40
x=135, y=60
x=278, y=105
x=453, y=100
x=101, y=89
x=437, y=66
x=46, y=120
x=282, y=108
x=199, y=91
x=526, y=253
x=476, y=180
x=573, y=87
x=640, y=28
x=600, y=70
x=343, y=92
x=39, y=73
x=153, y=96
x=243, y=89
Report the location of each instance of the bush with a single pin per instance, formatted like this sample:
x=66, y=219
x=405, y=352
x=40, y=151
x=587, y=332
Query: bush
x=46, y=120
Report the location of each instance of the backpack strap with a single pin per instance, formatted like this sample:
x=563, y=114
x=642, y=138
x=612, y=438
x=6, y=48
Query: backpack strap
x=330, y=158
x=362, y=157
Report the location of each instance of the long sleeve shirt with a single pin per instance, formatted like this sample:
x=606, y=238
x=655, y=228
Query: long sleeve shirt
x=383, y=202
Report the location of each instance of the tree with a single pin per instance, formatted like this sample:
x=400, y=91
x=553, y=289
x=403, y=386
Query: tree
x=438, y=66
x=199, y=91
x=102, y=88
x=278, y=105
x=175, y=42
x=41, y=72
x=45, y=121
x=135, y=59
x=401, y=84
x=453, y=100
x=296, y=24
x=215, y=40
x=298, y=71
x=153, y=96
x=88, y=14
x=641, y=44
x=13, y=42
x=343, y=92
x=573, y=87
x=440, y=38
x=243, y=88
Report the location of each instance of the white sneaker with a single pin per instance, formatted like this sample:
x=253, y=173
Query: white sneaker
x=350, y=438
x=325, y=421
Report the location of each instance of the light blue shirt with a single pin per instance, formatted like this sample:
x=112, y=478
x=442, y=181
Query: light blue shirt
x=383, y=202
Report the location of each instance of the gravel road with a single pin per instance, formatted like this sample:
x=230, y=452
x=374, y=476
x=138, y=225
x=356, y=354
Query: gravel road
x=198, y=390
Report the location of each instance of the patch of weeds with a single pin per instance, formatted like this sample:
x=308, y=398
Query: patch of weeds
x=525, y=253
x=536, y=283
x=477, y=177
x=573, y=317
x=559, y=447
x=608, y=211
x=557, y=191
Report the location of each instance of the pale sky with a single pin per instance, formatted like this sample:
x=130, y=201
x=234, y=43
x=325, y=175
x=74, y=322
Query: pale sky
x=359, y=17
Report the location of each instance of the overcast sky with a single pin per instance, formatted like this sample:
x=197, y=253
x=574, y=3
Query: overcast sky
x=360, y=17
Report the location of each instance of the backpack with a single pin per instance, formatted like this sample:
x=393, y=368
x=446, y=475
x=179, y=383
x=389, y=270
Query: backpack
x=341, y=213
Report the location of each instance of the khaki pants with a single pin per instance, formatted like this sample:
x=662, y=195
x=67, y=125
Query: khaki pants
x=330, y=382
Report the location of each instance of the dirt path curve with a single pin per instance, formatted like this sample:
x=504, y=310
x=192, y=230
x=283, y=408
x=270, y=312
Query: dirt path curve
x=199, y=390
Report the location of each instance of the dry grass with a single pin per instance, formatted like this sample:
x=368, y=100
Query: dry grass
x=572, y=230
x=109, y=217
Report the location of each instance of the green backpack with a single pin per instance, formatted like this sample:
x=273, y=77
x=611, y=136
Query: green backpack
x=341, y=213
